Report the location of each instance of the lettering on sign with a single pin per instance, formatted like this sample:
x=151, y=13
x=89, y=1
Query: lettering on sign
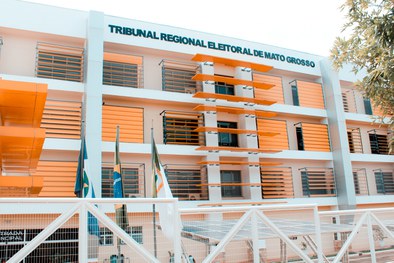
x=183, y=40
x=7, y=236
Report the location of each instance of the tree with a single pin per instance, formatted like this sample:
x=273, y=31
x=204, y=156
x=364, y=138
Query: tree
x=370, y=47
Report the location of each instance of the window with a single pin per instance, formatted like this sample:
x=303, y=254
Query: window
x=130, y=178
x=317, y=182
x=356, y=183
x=300, y=139
x=106, y=237
x=179, y=80
x=122, y=70
x=180, y=131
x=378, y=143
x=185, y=184
x=231, y=177
x=120, y=74
x=294, y=93
x=227, y=139
x=59, y=62
x=178, y=128
x=367, y=106
x=136, y=234
x=384, y=182
x=224, y=88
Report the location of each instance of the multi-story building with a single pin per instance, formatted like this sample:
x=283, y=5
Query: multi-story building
x=234, y=121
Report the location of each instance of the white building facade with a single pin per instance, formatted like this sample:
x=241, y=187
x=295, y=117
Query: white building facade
x=235, y=122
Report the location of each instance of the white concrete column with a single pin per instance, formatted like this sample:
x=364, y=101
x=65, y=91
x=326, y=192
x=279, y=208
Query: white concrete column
x=338, y=135
x=208, y=69
x=93, y=95
x=213, y=171
x=252, y=173
x=254, y=178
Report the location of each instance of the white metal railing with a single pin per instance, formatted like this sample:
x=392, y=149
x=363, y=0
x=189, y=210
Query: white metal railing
x=219, y=231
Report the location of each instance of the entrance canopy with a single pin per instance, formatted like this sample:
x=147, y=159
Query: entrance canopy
x=213, y=231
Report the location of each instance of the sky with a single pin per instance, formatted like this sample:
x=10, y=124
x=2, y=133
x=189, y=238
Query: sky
x=304, y=25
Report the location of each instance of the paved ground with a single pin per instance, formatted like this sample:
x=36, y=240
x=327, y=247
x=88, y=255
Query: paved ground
x=381, y=257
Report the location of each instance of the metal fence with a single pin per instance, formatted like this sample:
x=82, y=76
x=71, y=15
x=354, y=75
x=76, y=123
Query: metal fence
x=62, y=230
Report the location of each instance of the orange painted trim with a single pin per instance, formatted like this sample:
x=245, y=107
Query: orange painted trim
x=122, y=58
x=234, y=110
x=239, y=163
x=234, y=131
x=22, y=102
x=233, y=149
x=34, y=183
x=231, y=62
x=207, y=95
x=232, y=81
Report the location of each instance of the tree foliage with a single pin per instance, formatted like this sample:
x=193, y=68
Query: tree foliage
x=370, y=47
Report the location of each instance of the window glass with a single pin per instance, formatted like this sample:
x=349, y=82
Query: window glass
x=294, y=93
x=224, y=88
x=231, y=177
x=300, y=139
x=227, y=139
x=367, y=106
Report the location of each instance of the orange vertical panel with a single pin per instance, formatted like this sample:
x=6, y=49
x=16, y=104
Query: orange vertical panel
x=275, y=93
x=310, y=94
x=62, y=119
x=277, y=142
x=130, y=120
x=276, y=182
x=315, y=137
x=59, y=178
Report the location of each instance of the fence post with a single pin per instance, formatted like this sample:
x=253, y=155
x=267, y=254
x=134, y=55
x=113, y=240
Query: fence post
x=318, y=234
x=177, y=233
x=255, y=237
x=370, y=238
x=83, y=233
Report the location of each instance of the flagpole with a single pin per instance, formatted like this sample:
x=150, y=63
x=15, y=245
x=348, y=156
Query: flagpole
x=82, y=152
x=154, y=230
x=115, y=158
x=153, y=205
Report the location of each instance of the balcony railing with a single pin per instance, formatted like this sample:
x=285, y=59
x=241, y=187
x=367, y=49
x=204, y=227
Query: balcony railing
x=123, y=70
x=187, y=182
x=177, y=77
x=379, y=142
x=349, y=101
x=360, y=181
x=179, y=128
x=354, y=139
x=384, y=180
x=133, y=178
x=318, y=182
x=276, y=182
x=59, y=62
